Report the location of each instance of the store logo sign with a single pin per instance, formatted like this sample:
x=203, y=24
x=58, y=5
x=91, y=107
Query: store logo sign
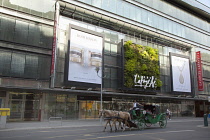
x=144, y=81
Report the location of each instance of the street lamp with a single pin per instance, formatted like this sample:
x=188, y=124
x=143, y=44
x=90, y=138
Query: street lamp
x=97, y=70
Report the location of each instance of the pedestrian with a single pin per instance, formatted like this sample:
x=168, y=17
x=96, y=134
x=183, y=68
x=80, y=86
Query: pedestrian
x=168, y=113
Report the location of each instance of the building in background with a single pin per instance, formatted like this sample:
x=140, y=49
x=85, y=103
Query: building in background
x=49, y=51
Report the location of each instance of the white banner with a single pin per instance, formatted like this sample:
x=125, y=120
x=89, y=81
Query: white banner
x=181, y=74
x=84, y=56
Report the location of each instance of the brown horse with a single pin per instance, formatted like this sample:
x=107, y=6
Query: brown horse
x=121, y=117
x=108, y=115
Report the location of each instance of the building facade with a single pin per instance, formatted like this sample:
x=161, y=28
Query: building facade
x=58, y=58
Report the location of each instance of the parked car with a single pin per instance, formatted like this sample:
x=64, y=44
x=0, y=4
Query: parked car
x=186, y=113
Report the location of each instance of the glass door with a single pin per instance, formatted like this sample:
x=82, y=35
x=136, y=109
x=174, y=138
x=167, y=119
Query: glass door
x=88, y=109
x=17, y=111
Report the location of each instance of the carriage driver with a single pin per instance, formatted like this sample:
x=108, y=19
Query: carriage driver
x=136, y=106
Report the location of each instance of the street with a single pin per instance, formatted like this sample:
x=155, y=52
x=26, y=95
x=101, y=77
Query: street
x=175, y=130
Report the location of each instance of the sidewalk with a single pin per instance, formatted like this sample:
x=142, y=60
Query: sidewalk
x=75, y=123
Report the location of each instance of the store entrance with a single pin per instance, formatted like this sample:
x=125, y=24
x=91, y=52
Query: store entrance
x=24, y=106
x=88, y=109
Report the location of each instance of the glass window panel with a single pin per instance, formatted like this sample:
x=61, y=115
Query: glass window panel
x=113, y=48
x=107, y=47
x=120, y=7
x=166, y=25
x=175, y=30
x=165, y=50
x=114, y=37
x=105, y=4
x=21, y=32
x=114, y=73
x=110, y=60
x=170, y=26
x=5, y=60
x=107, y=72
x=106, y=83
x=17, y=65
x=44, y=67
x=144, y=16
x=150, y=18
x=107, y=36
x=114, y=84
x=160, y=49
x=133, y=12
x=88, y=1
x=126, y=10
x=97, y=3
x=206, y=71
x=138, y=14
x=46, y=37
x=160, y=23
x=113, y=6
x=7, y=29
x=34, y=35
x=31, y=66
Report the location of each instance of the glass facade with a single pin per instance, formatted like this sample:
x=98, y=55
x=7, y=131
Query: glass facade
x=26, y=41
x=60, y=105
x=164, y=17
x=25, y=32
x=46, y=10
x=24, y=65
x=113, y=54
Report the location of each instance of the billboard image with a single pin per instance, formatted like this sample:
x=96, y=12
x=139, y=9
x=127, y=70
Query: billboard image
x=85, y=54
x=180, y=68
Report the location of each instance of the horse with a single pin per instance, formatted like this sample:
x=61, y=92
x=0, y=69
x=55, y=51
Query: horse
x=108, y=115
x=123, y=117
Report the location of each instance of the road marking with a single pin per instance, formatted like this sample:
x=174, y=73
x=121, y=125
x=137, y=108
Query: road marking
x=88, y=135
x=71, y=135
x=108, y=137
x=59, y=136
x=62, y=130
x=179, y=131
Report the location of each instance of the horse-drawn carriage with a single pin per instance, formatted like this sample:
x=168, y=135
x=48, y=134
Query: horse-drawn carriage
x=137, y=118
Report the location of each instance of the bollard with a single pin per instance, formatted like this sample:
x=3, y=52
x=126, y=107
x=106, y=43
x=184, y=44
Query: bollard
x=205, y=120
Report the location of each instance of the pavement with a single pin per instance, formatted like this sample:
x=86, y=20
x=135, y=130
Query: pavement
x=29, y=125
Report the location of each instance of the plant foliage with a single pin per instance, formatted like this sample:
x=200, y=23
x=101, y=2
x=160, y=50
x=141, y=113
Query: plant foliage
x=141, y=60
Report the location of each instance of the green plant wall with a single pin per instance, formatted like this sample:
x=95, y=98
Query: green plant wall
x=140, y=60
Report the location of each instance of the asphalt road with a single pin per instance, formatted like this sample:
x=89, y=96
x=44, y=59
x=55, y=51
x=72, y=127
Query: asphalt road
x=192, y=130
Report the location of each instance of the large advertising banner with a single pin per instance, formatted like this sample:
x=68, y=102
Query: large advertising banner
x=85, y=54
x=180, y=67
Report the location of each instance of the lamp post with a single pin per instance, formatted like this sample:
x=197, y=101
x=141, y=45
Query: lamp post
x=97, y=70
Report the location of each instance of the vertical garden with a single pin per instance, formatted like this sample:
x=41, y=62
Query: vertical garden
x=141, y=67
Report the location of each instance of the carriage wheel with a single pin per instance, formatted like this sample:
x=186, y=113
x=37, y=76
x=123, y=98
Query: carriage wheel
x=140, y=124
x=163, y=122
